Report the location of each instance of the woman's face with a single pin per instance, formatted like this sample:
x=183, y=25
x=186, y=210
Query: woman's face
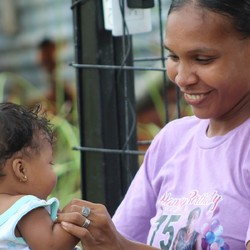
x=209, y=61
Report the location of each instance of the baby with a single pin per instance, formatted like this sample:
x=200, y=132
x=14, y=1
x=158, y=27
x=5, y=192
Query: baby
x=27, y=218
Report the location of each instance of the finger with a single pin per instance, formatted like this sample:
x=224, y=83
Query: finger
x=92, y=212
x=82, y=203
x=80, y=232
x=96, y=208
x=76, y=215
x=76, y=205
x=72, y=217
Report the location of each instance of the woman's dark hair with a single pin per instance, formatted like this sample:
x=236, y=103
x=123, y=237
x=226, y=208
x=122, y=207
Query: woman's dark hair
x=237, y=10
x=18, y=127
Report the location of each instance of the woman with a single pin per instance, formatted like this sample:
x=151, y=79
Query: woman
x=197, y=161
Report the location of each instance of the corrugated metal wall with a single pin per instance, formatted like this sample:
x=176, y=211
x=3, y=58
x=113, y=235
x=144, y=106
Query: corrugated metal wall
x=23, y=24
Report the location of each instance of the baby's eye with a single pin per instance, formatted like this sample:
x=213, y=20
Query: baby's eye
x=52, y=163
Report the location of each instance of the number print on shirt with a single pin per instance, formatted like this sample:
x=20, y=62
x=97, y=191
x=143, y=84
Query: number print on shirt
x=168, y=229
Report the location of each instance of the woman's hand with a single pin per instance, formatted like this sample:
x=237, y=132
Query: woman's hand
x=100, y=234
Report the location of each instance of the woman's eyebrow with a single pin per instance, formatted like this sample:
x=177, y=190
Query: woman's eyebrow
x=196, y=50
x=166, y=47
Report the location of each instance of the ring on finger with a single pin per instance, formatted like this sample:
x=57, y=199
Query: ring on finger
x=86, y=223
x=86, y=211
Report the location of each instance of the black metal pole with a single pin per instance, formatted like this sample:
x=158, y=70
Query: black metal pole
x=105, y=105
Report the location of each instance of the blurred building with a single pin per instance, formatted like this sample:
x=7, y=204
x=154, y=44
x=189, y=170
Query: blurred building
x=23, y=25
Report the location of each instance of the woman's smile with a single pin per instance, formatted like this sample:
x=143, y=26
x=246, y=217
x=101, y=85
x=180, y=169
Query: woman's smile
x=195, y=99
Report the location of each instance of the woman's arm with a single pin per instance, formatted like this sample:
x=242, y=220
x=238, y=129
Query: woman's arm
x=248, y=245
x=40, y=232
x=101, y=234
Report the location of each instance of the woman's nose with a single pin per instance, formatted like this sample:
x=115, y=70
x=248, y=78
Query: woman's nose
x=185, y=76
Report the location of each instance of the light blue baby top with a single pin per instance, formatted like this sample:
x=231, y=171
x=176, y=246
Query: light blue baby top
x=10, y=218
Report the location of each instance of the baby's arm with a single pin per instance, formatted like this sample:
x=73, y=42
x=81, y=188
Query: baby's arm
x=40, y=232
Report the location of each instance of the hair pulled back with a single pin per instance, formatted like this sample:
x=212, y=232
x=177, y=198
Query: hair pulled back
x=18, y=127
x=236, y=10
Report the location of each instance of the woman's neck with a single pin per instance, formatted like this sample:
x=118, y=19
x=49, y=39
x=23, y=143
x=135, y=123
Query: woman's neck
x=231, y=120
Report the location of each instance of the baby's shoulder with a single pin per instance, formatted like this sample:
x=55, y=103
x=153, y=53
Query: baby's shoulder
x=7, y=201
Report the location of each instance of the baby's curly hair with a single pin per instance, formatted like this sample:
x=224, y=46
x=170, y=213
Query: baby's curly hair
x=18, y=127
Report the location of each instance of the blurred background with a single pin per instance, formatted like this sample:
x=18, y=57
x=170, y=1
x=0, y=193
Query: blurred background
x=36, y=47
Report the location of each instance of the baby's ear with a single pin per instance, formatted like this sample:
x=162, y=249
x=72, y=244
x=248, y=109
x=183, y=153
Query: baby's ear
x=19, y=169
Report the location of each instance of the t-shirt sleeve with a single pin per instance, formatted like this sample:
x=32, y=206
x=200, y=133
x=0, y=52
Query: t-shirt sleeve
x=23, y=206
x=248, y=234
x=52, y=206
x=132, y=218
x=133, y=215
x=31, y=202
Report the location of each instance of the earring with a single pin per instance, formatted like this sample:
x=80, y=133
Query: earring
x=25, y=178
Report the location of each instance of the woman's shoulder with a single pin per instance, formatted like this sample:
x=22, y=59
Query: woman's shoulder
x=183, y=125
x=185, y=121
x=179, y=130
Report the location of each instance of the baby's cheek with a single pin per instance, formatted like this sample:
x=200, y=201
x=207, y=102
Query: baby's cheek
x=53, y=182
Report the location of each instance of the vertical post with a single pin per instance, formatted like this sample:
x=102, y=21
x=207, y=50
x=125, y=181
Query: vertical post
x=102, y=108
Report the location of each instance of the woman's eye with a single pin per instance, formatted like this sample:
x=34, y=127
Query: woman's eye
x=173, y=57
x=204, y=60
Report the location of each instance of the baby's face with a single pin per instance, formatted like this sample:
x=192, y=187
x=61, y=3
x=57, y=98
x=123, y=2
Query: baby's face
x=41, y=176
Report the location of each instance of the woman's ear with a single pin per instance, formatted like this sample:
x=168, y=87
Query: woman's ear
x=19, y=170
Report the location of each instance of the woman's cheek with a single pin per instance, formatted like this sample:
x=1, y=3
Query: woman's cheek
x=171, y=72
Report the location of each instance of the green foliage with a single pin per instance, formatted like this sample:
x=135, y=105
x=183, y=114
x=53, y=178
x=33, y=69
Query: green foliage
x=67, y=160
x=20, y=90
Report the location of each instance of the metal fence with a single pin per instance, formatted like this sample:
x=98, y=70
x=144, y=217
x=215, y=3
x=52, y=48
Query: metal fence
x=107, y=68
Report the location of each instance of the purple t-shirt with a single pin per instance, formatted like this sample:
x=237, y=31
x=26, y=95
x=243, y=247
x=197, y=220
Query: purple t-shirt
x=191, y=192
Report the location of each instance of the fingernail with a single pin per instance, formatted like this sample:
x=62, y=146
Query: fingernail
x=64, y=224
